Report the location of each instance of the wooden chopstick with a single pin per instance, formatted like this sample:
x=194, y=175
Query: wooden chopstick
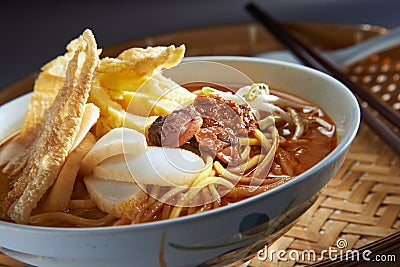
x=312, y=58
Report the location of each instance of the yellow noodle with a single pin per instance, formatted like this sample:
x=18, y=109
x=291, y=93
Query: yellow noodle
x=122, y=221
x=251, y=163
x=161, y=203
x=195, y=190
x=243, y=191
x=234, y=177
x=175, y=212
x=165, y=212
x=191, y=210
x=137, y=211
x=146, y=212
x=206, y=195
x=204, y=208
x=151, y=200
x=272, y=147
x=215, y=195
x=259, y=161
x=262, y=138
x=214, y=180
x=177, y=209
x=225, y=173
x=171, y=193
x=70, y=219
x=245, y=153
x=199, y=179
x=155, y=191
x=249, y=141
x=140, y=214
x=205, y=172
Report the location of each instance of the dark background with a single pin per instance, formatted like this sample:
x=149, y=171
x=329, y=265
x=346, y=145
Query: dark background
x=33, y=32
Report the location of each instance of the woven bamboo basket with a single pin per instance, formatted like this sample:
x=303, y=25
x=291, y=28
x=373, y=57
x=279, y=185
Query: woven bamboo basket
x=361, y=204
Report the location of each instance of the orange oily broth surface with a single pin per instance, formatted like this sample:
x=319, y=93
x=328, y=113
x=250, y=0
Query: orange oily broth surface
x=315, y=146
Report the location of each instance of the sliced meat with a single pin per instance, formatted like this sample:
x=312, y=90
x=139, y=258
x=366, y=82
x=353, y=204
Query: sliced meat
x=216, y=111
x=223, y=122
x=175, y=129
x=215, y=123
x=213, y=139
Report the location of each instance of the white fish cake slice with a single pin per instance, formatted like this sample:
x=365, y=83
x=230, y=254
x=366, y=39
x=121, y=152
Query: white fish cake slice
x=156, y=166
x=115, y=142
x=114, y=168
x=114, y=197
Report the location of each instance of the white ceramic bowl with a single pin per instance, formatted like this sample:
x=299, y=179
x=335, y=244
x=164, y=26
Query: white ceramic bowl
x=219, y=236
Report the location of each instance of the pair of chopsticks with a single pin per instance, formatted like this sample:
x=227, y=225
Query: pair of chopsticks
x=312, y=58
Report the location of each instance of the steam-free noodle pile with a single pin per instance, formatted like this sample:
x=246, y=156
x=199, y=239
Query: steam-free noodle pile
x=113, y=141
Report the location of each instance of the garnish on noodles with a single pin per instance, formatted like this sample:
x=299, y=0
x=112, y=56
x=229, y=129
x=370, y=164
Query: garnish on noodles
x=113, y=141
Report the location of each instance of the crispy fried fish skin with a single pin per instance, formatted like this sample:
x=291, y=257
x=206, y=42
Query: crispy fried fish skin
x=59, y=129
x=45, y=90
x=49, y=81
x=47, y=85
x=128, y=72
x=134, y=66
